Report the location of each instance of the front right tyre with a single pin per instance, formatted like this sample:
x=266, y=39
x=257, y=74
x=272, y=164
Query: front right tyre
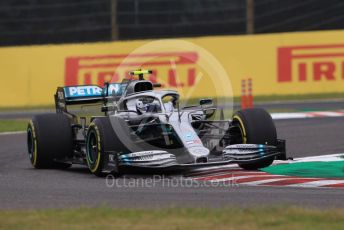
x=256, y=127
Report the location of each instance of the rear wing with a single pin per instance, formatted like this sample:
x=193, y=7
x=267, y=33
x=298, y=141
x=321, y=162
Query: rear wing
x=86, y=94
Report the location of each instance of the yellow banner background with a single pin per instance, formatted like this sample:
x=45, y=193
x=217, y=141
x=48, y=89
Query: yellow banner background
x=29, y=75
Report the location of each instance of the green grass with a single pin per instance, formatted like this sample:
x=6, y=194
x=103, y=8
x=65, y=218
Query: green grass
x=27, y=108
x=13, y=125
x=278, y=98
x=175, y=218
x=297, y=97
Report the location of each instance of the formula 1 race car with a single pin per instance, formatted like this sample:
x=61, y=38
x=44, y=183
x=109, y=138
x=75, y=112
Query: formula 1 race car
x=130, y=126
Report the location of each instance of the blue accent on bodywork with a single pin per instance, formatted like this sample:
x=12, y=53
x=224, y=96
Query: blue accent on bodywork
x=261, y=149
x=87, y=91
x=124, y=159
x=115, y=89
x=93, y=91
x=189, y=136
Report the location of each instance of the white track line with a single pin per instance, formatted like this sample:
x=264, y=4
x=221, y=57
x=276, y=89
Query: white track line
x=278, y=116
x=324, y=158
x=260, y=182
x=312, y=184
x=12, y=133
x=332, y=114
x=298, y=115
x=231, y=178
x=229, y=174
x=234, y=178
x=317, y=183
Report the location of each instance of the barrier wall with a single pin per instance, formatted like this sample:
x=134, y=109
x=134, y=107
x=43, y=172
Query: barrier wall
x=279, y=64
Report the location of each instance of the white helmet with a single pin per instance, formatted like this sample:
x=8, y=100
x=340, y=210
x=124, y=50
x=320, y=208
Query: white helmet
x=140, y=106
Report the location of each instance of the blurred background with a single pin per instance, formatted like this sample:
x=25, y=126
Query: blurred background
x=26, y=22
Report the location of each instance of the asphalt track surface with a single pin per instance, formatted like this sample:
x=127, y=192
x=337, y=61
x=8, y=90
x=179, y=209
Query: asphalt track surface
x=22, y=187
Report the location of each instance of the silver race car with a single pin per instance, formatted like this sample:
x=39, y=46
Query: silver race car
x=132, y=127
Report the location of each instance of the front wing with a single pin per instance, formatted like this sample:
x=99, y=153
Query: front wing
x=158, y=161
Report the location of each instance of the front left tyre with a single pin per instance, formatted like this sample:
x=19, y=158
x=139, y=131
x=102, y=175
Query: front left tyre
x=49, y=138
x=100, y=140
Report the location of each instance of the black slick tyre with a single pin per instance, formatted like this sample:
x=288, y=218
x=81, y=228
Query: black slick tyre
x=100, y=140
x=256, y=127
x=49, y=137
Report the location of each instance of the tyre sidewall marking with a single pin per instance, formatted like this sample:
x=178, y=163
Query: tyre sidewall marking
x=94, y=167
x=34, y=139
x=242, y=128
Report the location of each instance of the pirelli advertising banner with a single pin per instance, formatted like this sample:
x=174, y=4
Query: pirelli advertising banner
x=278, y=64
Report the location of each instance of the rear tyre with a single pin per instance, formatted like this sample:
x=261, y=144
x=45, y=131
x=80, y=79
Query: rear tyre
x=49, y=137
x=100, y=140
x=256, y=127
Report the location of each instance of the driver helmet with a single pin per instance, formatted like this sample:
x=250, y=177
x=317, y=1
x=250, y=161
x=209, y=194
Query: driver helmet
x=140, y=107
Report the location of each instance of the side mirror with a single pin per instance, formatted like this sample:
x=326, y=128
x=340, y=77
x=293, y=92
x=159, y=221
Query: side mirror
x=207, y=101
x=106, y=108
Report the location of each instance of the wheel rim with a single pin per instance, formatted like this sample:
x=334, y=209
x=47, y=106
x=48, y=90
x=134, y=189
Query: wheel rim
x=92, y=147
